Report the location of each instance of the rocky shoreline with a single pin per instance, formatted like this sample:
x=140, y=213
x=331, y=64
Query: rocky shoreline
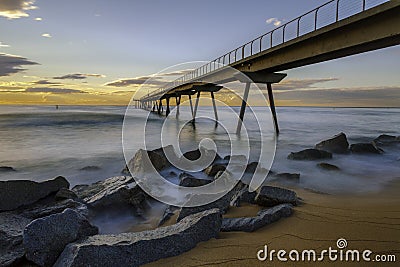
x=49, y=224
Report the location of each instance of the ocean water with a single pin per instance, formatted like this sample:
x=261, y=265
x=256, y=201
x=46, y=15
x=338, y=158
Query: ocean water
x=42, y=142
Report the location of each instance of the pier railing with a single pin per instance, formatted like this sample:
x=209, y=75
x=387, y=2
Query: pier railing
x=324, y=15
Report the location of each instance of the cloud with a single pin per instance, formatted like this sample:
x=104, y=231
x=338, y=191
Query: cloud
x=53, y=90
x=274, y=21
x=297, y=84
x=137, y=81
x=15, y=9
x=38, y=19
x=45, y=82
x=156, y=79
x=78, y=76
x=10, y=64
x=3, y=45
x=47, y=35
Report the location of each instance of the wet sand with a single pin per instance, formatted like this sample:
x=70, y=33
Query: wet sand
x=370, y=221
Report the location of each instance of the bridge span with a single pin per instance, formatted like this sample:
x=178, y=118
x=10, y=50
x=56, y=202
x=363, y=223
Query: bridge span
x=336, y=29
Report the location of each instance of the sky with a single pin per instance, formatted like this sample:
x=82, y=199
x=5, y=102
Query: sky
x=99, y=52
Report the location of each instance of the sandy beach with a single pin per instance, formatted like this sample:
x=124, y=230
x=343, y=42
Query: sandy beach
x=369, y=221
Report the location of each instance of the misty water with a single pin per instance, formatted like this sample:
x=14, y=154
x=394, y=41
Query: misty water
x=42, y=142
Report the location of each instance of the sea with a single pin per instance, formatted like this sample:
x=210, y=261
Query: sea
x=85, y=143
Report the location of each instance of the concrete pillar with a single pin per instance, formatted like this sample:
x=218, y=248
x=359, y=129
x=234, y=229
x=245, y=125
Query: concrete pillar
x=160, y=107
x=191, y=106
x=167, y=111
x=272, y=105
x=215, y=107
x=196, y=105
x=178, y=102
x=243, y=107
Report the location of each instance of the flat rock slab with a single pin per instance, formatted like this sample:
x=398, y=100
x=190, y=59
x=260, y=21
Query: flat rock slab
x=264, y=217
x=87, y=191
x=11, y=230
x=270, y=196
x=310, y=154
x=17, y=193
x=135, y=249
x=44, y=239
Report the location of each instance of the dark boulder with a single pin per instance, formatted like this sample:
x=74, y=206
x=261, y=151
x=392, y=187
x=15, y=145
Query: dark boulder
x=336, y=144
x=14, y=194
x=365, y=148
x=328, y=167
x=65, y=193
x=264, y=217
x=310, y=154
x=44, y=239
x=7, y=169
x=191, y=181
x=385, y=139
x=48, y=207
x=11, y=230
x=135, y=249
x=221, y=204
x=196, y=154
x=270, y=196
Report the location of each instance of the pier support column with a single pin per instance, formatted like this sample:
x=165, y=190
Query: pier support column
x=178, y=102
x=272, y=105
x=191, y=105
x=215, y=107
x=167, y=111
x=196, y=105
x=243, y=107
x=154, y=106
x=159, y=107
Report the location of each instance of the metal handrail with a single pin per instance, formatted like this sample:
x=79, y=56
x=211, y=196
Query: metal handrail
x=226, y=58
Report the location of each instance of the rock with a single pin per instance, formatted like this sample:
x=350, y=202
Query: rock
x=44, y=239
x=328, y=167
x=85, y=191
x=11, y=230
x=196, y=154
x=191, y=181
x=243, y=195
x=124, y=194
x=65, y=193
x=221, y=204
x=135, y=249
x=336, y=144
x=236, y=158
x=310, y=154
x=168, y=213
x=365, y=148
x=214, y=169
x=270, y=196
x=288, y=176
x=385, y=139
x=264, y=217
x=251, y=167
x=7, y=169
x=14, y=194
x=90, y=168
x=146, y=161
x=39, y=210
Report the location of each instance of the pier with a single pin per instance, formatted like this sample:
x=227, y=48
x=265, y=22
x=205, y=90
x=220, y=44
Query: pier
x=311, y=38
